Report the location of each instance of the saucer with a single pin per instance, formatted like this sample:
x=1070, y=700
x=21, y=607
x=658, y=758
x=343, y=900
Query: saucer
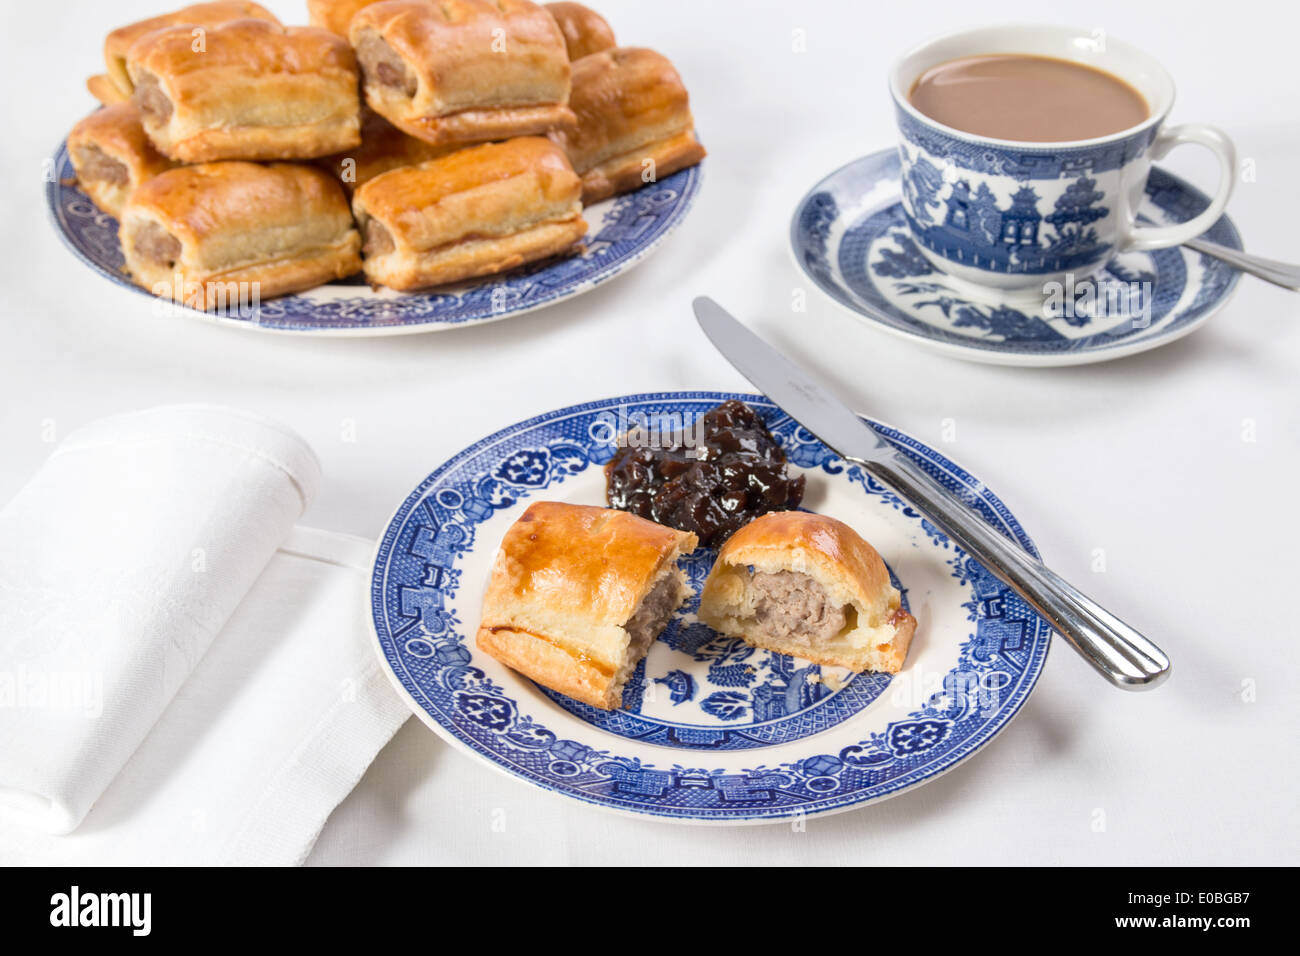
x=850, y=237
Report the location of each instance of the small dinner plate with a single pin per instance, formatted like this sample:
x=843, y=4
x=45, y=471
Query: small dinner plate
x=622, y=232
x=712, y=730
x=849, y=237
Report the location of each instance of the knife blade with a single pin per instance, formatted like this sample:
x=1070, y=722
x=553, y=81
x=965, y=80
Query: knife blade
x=1116, y=650
x=802, y=398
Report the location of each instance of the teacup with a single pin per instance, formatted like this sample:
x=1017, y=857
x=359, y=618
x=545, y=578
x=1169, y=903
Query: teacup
x=1017, y=216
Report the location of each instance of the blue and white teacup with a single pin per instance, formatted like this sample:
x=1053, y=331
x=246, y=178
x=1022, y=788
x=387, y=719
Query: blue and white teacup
x=1020, y=215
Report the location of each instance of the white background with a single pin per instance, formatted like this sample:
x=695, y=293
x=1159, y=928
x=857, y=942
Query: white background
x=1142, y=458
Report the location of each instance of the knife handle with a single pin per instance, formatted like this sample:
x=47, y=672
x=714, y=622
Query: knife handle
x=1117, y=651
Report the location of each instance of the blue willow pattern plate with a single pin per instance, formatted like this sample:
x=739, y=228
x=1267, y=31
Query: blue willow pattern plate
x=850, y=236
x=712, y=730
x=622, y=232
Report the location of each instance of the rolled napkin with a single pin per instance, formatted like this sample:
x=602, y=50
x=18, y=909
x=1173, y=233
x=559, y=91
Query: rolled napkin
x=120, y=561
x=269, y=733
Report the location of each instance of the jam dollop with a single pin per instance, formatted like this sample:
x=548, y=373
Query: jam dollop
x=711, y=479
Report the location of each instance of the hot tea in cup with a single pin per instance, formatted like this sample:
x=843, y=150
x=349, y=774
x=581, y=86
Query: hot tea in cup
x=1025, y=153
x=1039, y=99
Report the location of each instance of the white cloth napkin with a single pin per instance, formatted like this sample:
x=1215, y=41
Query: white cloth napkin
x=175, y=653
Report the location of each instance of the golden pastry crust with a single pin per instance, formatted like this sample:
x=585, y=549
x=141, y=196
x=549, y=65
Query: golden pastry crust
x=383, y=148
x=193, y=232
x=334, y=15
x=877, y=633
x=565, y=582
x=102, y=88
x=585, y=31
x=206, y=15
x=255, y=91
x=113, y=156
x=634, y=120
x=474, y=212
x=463, y=71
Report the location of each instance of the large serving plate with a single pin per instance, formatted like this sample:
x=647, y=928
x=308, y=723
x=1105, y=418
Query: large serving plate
x=850, y=238
x=622, y=232
x=712, y=731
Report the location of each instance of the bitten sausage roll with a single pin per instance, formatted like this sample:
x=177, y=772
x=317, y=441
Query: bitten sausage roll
x=463, y=71
x=112, y=156
x=634, y=122
x=585, y=31
x=808, y=585
x=256, y=90
x=474, y=212
x=192, y=232
x=204, y=15
x=383, y=147
x=334, y=15
x=578, y=594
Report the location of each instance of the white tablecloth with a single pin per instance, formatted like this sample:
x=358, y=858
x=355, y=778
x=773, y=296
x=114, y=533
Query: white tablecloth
x=1144, y=460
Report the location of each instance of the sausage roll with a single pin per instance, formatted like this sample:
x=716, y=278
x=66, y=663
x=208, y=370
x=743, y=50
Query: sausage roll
x=192, y=233
x=256, y=90
x=809, y=586
x=334, y=15
x=474, y=212
x=634, y=122
x=578, y=594
x=383, y=147
x=112, y=156
x=585, y=31
x=463, y=71
x=102, y=88
x=205, y=15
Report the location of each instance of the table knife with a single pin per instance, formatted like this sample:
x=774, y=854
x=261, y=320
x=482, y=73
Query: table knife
x=1117, y=651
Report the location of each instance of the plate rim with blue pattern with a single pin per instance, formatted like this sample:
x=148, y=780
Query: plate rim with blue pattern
x=817, y=215
x=423, y=619
x=629, y=228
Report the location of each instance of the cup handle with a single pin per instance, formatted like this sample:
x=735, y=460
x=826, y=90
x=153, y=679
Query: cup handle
x=1142, y=238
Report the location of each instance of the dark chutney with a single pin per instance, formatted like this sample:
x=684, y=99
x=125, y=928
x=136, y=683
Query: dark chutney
x=735, y=472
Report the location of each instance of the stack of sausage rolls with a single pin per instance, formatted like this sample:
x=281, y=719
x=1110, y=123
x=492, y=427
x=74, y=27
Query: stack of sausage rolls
x=419, y=142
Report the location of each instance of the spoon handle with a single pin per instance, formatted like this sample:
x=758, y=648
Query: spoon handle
x=1270, y=270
